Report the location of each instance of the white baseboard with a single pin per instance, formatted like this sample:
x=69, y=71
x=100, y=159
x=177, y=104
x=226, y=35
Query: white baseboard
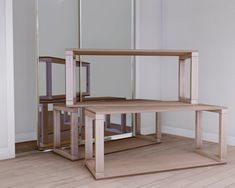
x=6, y=153
x=24, y=137
x=212, y=137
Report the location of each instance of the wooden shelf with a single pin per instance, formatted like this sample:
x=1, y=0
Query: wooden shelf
x=149, y=161
x=128, y=52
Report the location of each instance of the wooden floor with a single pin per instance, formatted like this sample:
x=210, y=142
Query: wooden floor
x=37, y=169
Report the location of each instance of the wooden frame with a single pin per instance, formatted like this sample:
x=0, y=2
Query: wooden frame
x=49, y=98
x=96, y=164
x=73, y=153
x=182, y=55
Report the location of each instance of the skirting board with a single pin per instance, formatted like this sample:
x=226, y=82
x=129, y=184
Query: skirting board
x=211, y=137
x=25, y=137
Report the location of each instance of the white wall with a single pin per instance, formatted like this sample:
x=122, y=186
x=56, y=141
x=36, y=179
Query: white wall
x=148, y=69
x=206, y=26
x=25, y=63
x=7, y=126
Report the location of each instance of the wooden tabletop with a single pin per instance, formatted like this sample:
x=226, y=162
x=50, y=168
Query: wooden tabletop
x=128, y=52
x=151, y=106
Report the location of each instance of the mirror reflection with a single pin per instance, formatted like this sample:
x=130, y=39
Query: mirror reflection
x=100, y=24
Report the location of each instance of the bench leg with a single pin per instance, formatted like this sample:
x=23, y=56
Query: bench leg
x=158, y=126
x=88, y=138
x=198, y=131
x=222, y=135
x=108, y=121
x=138, y=123
x=44, y=125
x=99, y=144
x=123, y=123
x=56, y=116
x=74, y=134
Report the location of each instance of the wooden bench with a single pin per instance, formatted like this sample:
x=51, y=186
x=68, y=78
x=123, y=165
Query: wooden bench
x=96, y=163
x=76, y=122
x=44, y=123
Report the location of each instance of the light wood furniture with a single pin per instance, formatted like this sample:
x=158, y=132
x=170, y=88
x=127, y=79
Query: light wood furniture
x=45, y=121
x=76, y=123
x=73, y=153
x=73, y=54
x=96, y=164
x=45, y=169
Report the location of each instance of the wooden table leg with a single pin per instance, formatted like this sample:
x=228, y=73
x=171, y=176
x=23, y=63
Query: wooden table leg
x=88, y=138
x=44, y=125
x=56, y=116
x=74, y=134
x=123, y=123
x=222, y=135
x=138, y=123
x=198, y=129
x=81, y=123
x=66, y=118
x=107, y=121
x=99, y=145
x=158, y=127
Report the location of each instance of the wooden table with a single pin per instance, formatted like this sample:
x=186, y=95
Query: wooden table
x=183, y=55
x=96, y=164
x=72, y=152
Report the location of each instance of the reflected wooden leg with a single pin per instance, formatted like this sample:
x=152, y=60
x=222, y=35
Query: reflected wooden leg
x=74, y=134
x=107, y=121
x=123, y=123
x=88, y=138
x=138, y=123
x=44, y=124
x=57, y=141
x=158, y=126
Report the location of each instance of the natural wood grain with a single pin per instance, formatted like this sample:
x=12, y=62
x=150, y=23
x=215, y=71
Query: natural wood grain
x=57, y=133
x=98, y=113
x=198, y=129
x=72, y=54
x=158, y=128
x=142, y=102
x=99, y=144
x=138, y=123
x=136, y=52
x=147, y=106
x=88, y=138
x=42, y=170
